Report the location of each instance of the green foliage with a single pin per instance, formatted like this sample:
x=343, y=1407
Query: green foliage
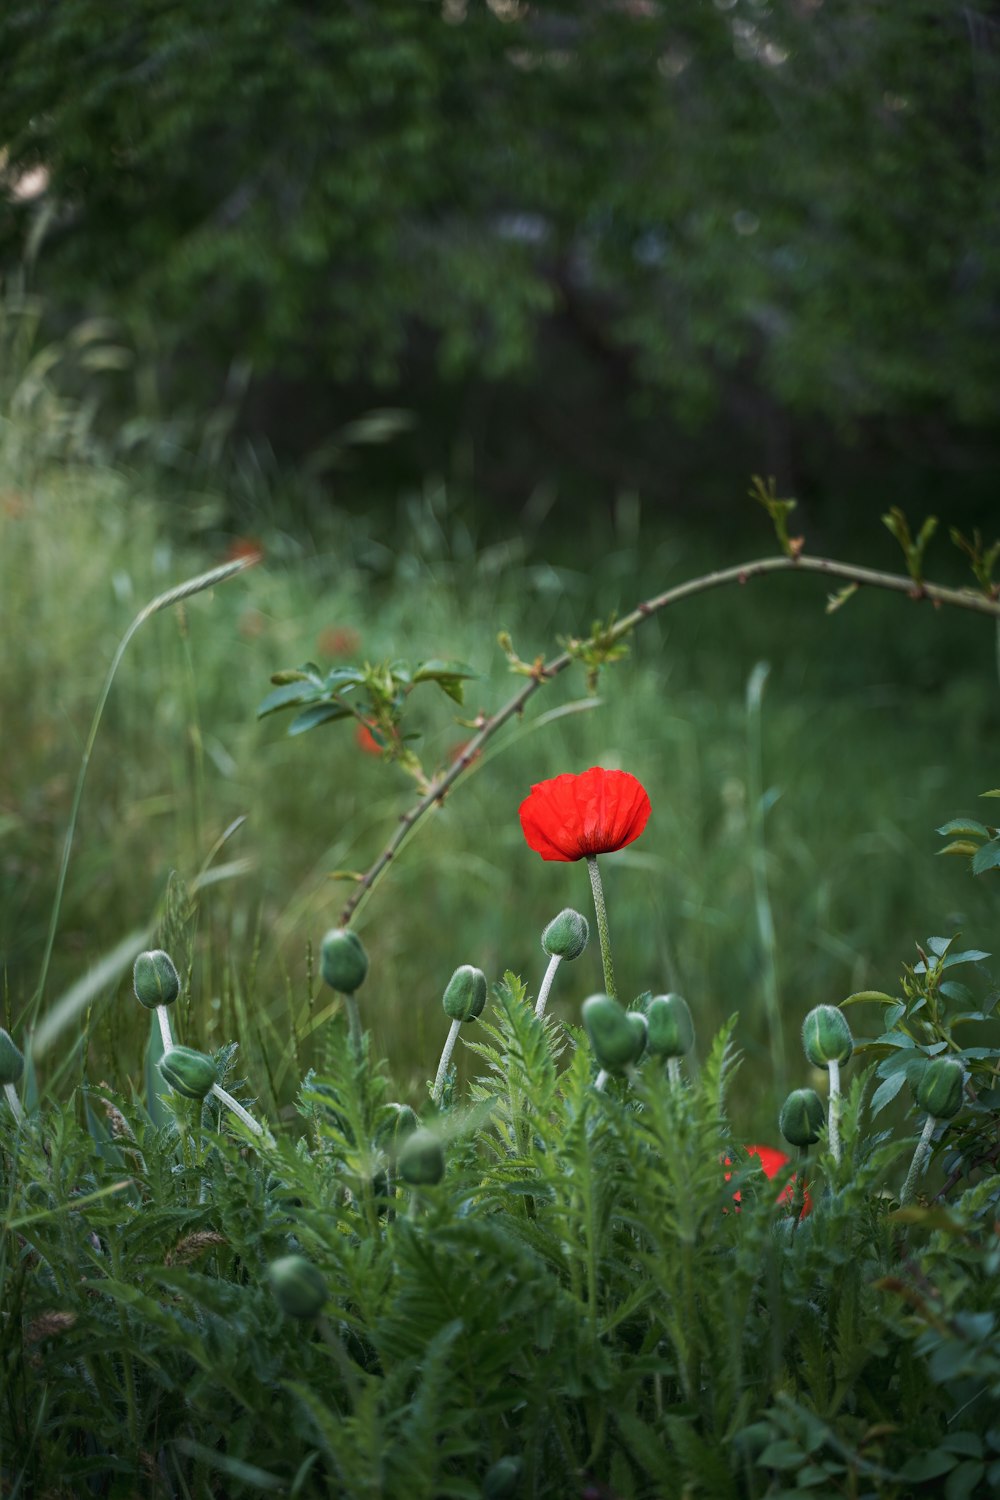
x=298, y=187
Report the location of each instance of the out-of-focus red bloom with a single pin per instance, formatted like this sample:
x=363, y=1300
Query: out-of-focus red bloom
x=338, y=640
x=245, y=547
x=367, y=741
x=772, y=1162
x=572, y=817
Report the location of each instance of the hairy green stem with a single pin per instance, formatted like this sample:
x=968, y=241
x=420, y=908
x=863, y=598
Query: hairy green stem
x=237, y=1109
x=834, y=1110
x=602, y=925
x=919, y=1162
x=543, y=993
x=165, y=1032
x=354, y=1025
x=446, y=1051
x=674, y=1072
x=14, y=1102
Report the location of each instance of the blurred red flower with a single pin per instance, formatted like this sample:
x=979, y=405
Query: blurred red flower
x=572, y=817
x=245, y=547
x=772, y=1162
x=366, y=741
x=338, y=640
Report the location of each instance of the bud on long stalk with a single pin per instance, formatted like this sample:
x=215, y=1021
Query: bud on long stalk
x=827, y=1042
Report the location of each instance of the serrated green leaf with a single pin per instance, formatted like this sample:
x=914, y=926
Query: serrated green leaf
x=987, y=857
x=878, y=997
x=299, y=691
x=435, y=669
x=970, y=956
x=966, y=826
x=959, y=846
x=887, y=1091
x=321, y=713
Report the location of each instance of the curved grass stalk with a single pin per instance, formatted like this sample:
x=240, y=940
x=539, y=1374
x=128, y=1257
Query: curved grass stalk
x=185, y=590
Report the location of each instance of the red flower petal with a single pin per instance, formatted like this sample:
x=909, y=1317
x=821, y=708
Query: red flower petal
x=771, y=1163
x=571, y=817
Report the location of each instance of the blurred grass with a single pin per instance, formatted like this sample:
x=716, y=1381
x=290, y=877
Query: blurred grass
x=875, y=724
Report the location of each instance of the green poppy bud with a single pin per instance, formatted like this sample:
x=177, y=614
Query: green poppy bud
x=11, y=1059
x=671, y=1029
x=343, y=960
x=502, y=1478
x=566, y=935
x=397, y=1123
x=155, y=980
x=421, y=1159
x=465, y=995
x=826, y=1036
x=188, y=1072
x=939, y=1087
x=617, y=1036
x=802, y=1117
x=298, y=1286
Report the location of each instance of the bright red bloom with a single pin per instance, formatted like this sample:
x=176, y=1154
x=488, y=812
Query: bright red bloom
x=245, y=547
x=572, y=817
x=771, y=1163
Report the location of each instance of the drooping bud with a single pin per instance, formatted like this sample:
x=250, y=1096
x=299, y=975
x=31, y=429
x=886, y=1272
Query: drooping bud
x=343, y=960
x=940, y=1087
x=421, y=1159
x=465, y=994
x=616, y=1035
x=567, y=935
x=398, y=1122
x=11, y=1059
x=826, y=1036
x=298, y=1286
x=502, y=1478
x=188, y=1072
x=155, y=979
x=802, y=1117
x=671, y=1029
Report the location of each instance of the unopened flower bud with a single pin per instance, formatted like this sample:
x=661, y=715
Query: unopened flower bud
x=298, y=1286
x=343, y=960
x=421, y=1159
x=940, y=1087
x=567, y=935
x=465, y=995
x=11, y=1059
x=397, y=1123
x=826, y=1036
x=615, y=1036
x=802, y=1117
x=188, y=1072
x=155, y=980
x=671, y=1029
x=502, y=1478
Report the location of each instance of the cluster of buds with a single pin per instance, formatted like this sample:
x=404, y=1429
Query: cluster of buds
x=191, y=1074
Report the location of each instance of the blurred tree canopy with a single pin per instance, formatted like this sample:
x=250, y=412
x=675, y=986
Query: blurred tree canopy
x=798, y=195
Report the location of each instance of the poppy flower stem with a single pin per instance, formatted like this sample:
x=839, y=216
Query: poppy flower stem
x=14, y=1102
x=918, y=1163
x=674, y=1072
x=602, y=926
x=353, y=1023
x=601, y=1079
x=834, y=1070
x=446, y=1051
x=543, y=993
x=165, y=1032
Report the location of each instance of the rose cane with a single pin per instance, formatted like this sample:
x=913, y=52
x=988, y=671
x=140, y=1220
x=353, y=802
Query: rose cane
x=566, y=936
x=827, y=1042
x=573, y=817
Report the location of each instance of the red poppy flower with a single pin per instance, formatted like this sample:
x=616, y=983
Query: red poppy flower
x=572, y=817
x=772, y=1162
x=244, y=547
